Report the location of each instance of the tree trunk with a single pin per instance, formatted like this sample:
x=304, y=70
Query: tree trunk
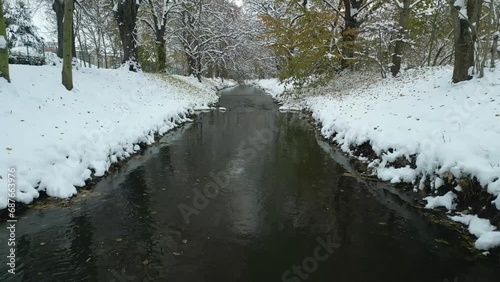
x=432, y=39
x=82, y=54
x=404, y=15
x=464, y=27
x=198, y=68
x=4, y=53
x=161, y=53
x=494, y=51
x=126, y=17
x=191, y=62
x=67, y=71
x=350, y=31
x=105, y=52
x=58, y=8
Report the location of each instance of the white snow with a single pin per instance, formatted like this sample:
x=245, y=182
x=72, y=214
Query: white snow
x=451, y=128
x=287, y=108
x=275, y=89
x=481, y=228
x=25, y=51
x=55, y=137
x=3, y=42
x=272, y=86
x=446, y=201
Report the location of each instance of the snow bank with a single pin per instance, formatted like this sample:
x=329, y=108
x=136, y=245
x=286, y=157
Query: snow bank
x=449, y=130
x=55, y=138
x=272, y=86
x=449, y=127
x=215, y=83
x=481, y=228
x=291, y=102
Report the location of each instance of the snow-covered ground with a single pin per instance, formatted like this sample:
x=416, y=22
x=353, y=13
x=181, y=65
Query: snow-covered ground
x=451, y=130
x=56, y=138
x=273, y=87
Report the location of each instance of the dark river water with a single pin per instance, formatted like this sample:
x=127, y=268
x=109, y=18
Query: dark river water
x=250, y=194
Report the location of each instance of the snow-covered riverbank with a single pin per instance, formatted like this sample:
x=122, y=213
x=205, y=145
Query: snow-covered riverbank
x=56, y=139
x=424, y=130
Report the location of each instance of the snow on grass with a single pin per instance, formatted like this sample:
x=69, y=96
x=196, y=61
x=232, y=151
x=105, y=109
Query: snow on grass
x=56, y=138
x=449, y=127
x=446, y=201
x=272, y=86
x=276, y=89
x=486, y=233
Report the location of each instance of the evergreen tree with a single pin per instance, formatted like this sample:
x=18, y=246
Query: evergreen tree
x=21, y=31
x=23, y=39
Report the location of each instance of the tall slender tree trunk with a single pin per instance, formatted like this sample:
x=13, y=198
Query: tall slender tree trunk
x=67, y=71
x=464, y=28
x=126, y=17
x=494, y=51
x=161, y=53
x=105, y=52
x=432, y=39
x=82, y=54
x=191, y=62
x=4, y=53
x=404, y=15
x=58, y=8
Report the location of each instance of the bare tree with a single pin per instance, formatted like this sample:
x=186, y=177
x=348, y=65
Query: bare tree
x=157, y=16
x=404, y=16
x=4, y=54
x=125, y=12
x=465, y=15
x=67, y=71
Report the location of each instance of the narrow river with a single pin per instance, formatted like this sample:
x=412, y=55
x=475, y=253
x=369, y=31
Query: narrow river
x=249, y=194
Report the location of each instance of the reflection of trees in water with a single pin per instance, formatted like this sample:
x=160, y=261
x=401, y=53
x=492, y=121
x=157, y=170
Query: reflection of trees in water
x=58, y=254
x=138, y=224
x=81, y=247
x=313, y=181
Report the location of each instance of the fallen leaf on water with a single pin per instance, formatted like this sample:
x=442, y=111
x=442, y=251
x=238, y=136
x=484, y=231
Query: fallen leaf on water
x=184, y=241
x=119, y=239
x=176, y=254
x=42, y=244
x=382, y=223
x=145, y=262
